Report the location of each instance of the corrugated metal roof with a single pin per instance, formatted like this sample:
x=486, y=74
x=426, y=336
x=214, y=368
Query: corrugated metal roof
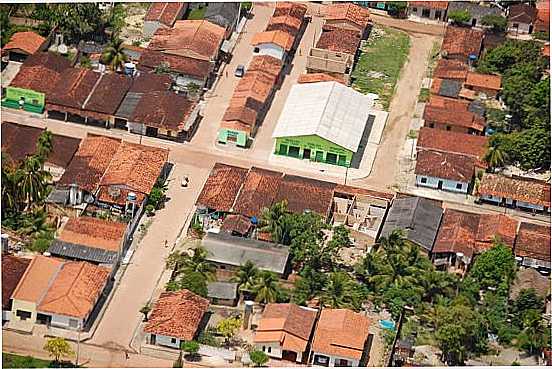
x=329, y=110
x=74, y=251
x=222, y=290
x=418, y=217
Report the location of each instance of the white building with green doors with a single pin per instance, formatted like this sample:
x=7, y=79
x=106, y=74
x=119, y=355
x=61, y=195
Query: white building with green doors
x=322, y=122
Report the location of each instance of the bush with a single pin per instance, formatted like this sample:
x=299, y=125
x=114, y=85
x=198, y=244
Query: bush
x=545, y=36
x=459, y=16
x=258, y=358
x=424, y=95
x=150, y=210
x=42, y=242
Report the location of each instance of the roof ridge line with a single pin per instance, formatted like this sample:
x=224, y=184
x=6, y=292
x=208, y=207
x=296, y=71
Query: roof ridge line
x=92, y=91
x=50, y=282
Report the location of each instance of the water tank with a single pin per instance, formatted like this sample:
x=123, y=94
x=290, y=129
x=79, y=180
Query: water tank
x=248, y=311
x=129, y=68
x=131, y=197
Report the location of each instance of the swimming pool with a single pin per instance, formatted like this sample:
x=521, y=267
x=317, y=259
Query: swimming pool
x=387, y=324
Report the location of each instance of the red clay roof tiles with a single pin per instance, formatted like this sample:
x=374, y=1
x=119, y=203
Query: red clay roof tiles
x=108, y=93
x=445, y=165
x=462, y=41
x=533, y=241
x=171, y=110
x=339, y=40
x=165, y=12
x=451, y=69
x=13, y=269
x=94, y=232
x=150, y=59
x=318, y=77
x=257, y=192
x=516, y=188
x=73, y=88
x=222, y=187
x=458, y=118
x=348, y=12
x=488, y=81
x=148, y=82
x=439, y=5
x=28, y=42
x=452, y=142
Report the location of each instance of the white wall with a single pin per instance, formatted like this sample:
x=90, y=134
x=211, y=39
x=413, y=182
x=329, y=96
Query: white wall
x=352, y=362
x=167, y=341
x=448, y=185
x=62, y=321
x=6, y=315
x=275, y=349
x=136, y=128
x=523, y=28
x=271, y=50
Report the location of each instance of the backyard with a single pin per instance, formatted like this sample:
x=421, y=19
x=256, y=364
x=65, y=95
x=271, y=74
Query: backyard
x=380, y=63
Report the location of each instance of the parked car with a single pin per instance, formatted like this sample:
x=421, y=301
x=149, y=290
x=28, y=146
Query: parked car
x=240, y=71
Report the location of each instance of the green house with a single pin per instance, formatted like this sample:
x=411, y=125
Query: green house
x=322, y=122
x=28, y=100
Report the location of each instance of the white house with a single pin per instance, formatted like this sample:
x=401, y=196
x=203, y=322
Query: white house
x=444, y=171
x=273, y=43
x=13, y=269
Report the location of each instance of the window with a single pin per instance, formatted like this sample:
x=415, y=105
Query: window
x=515, y=25
x=431, y=125
x=264, y=348
x=23, y=315
x=73, y=323
x=269, y=349
x=342, y=160
x=415, y=10
x=173, y=340
x=256, y=50
x=459, y=186
x=293, y=151
x=423, y=180
x=321, y=360
x=283, y=150
x=331, y=158
x=437, y=14
x=448, y=128
x=425, y=13
x=319, y=156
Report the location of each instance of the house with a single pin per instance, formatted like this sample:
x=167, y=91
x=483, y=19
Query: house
x=23, y=44
x=37, y=77
x=417, y=217
x=335, y=53
x=451, y=69
x=273, y=43
x=90, y=239
x=446, y=87
x=19, y=141
x=223, y=293
x=461, y=43
x=348, y=16
x=432, y=139
x=444, y=171
x=461, y=105
x=463, y=235
x=477, y=12
x=542, y=24
x=176, y=317
x=489, y=84
x=224, y=14
x=521, y=18
x=323, y=122
x=163, y=15
x=453, y=118
x=284, y=331
x=517, y=192
x=176, y=117
x=13, y=269
x=529, y=278
x=341, y=338
x=318, y=77
x=431, y=10
x=532, y=247
x=228, y=253
x=58, y=293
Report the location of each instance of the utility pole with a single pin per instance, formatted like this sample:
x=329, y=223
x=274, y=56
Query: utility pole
x=78, y=344
x=397, y=335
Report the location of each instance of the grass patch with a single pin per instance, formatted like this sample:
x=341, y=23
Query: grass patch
x=17, y=361
x=197, y=14
x=380, y=63
x=433, y=58
x=424, y=95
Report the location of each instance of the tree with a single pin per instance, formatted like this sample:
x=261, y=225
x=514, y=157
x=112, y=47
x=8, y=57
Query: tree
x=58, y=348
x=246, y=277
x=341, y=292
x=494, y=267
x=162, y=68
x=191, y=348
x=535, y=334
x=145, y=310
x=227, y=328
x=33, y=180
x=184, y=263
x=44, y=145
x=75, y=21
x=273, y=221
x=498, y=23
x=526, y=302
x=495, y=157
x=192, y=281
x=267, y=288
x=192, y=88
x=459, y=16
x=113, y=55
x=396, y=8
x=258, y=358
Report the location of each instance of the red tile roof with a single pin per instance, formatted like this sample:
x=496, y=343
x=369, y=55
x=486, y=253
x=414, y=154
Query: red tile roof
x=451, y=69
x=19, y=140
x=37, y=277
x=255, y=85
x=304, y=193
x=148, y=82
x=150, y=59
x=546, y=49
x=439, y=5
x=348, y=12
x=177, y=314
x=241, y=114
x=165, y=13
x=285, y=23
x=542, y=23
x=237, y=126
x=533, y=241
x=41, y=72
x=452, y=142
x=73, y=87
x=339, y=40
x=13, y=269
x=75, y=289
x=458, y=118
x=445, y=165
x=28, y=42
x=493, y=226
x=462, y=41
x=197, y=39
x=443, y=102
x=93, y=232
x=257, y=192
x=489, y=81
x=522, y=13
x=291, y=323
x=293, y=9
x=266, y=64
x=171, y=110
x=222, y=187
x=516, y=188
x=236, y=223
x=341, y=332
x=318, y=77
x=108, y=93
x=280, y=38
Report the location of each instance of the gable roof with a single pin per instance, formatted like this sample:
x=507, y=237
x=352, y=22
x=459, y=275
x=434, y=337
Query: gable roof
x=13, y=269
x=418, y=217
x=19, y=141
x=73, y=87
x=516, y=188
x=150, y=59
x=533, y=241
x=285, y=23
x=445, y=165
x=488, y=81
x=542, y=24
x=75, y=289
x=462, y=41
x=293, y=323
x=446, y=87
x=165, y=12
x=452, y=142
x=108, y=93
x=93, y=232
x=329, y=110
x=348, y=12
x=37, y=278
x=305, y=194
x=28, y=42
x=197, y=39
x=522, y=13
x=222, y=187
x=223, y=14
x=257, y=192
x=341, y=332
x=458, y=118
x=40, y=72
x=177, y=314
x=450, y=69
x=439, y=5
x=280, y=38
x=339, y=40
x=146, y=82
x=171, y=110
x=294, y=9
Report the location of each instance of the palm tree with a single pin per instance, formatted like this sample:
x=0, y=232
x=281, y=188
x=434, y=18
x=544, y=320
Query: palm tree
x=339, y=292
x=495, y=157
x=436, y=283
x=246, y=277
x=185, y=263
x=10, y=193
x=44, y=144
x=37, y=224
x=534, y=331
x=273, y=221
x=113, y=54
x=33, y=180
x=266, y=287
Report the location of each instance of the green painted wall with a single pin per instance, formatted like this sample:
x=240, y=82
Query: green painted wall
x=31, y=97
x=240, y=136
x=319, y=147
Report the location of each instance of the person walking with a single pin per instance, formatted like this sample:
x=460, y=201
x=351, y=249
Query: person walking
x=166, y=243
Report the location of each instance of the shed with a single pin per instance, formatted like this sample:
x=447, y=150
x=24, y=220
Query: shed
x=223, y=293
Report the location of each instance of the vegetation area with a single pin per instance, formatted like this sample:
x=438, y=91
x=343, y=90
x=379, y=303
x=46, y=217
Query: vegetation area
x=197, y=13
x=522, y=131
x=25, y=186
x=17, y=361
x=380, y=63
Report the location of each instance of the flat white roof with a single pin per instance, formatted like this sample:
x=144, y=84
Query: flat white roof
x=329, y=110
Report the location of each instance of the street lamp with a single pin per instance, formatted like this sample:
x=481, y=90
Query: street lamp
x=79, y=326
x=397, y=335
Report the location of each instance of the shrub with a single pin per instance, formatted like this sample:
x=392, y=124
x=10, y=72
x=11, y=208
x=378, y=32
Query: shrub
x=460, y=16
x=258, y=358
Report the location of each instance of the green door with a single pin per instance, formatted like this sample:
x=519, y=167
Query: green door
x=342, y=160
x=319, y=157
x=331, y=158
x=293, y=151
x=283, y=150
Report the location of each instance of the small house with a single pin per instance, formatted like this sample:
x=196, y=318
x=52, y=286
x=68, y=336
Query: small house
x=348, y=16
x=224, y=14
x=532, y=247
x=489, y=84
x=23, y=44
x=223, y=293
x=461, y=43
x=477, y=12
x=444, y=171
x=427, y=10
x=521, y=18
x=163, y=15
x=13, y=269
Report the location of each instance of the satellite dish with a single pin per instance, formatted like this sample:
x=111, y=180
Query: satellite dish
x=62, y=49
